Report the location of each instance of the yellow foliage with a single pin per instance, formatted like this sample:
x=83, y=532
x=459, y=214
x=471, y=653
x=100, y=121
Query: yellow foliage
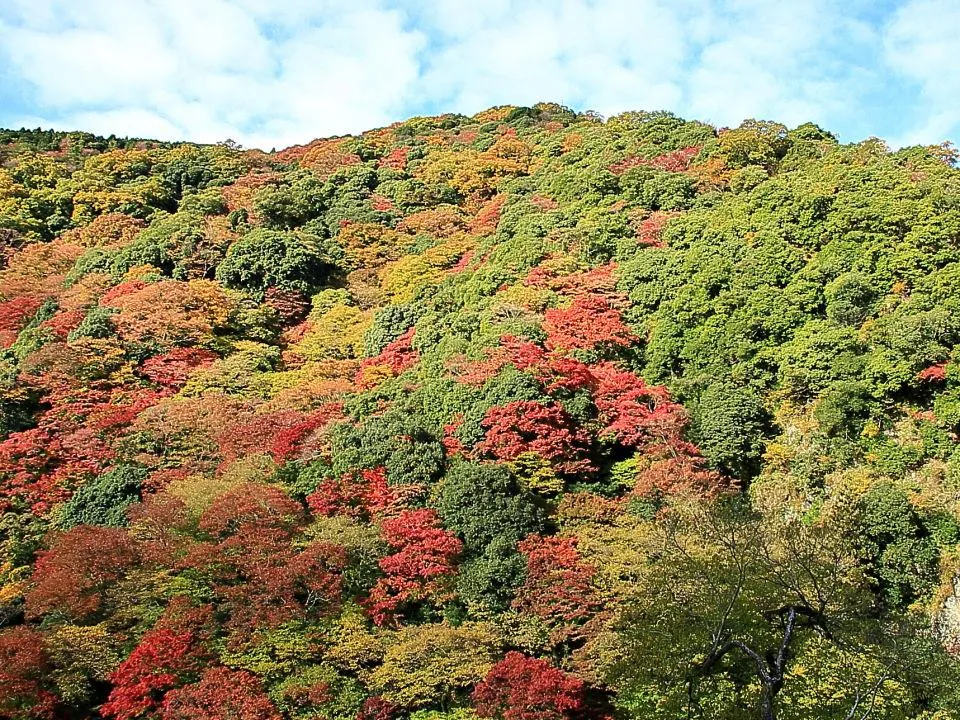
x=240, y=373
x=513, y=154
x=85, y=292
x=475, y=174
x=173, y=313
x=818, y=683
x=373, y=375
x=324, y=157
x=9, y=188
x=240, y=195
x=354, y=647
x=139, y=272
x=526, y=296
x=14, y=582
x=379, y=140
x=442, y=221
x=327, y=371
x=187, y=428
x=572, y=142
x=711, y=175
x=363, y=285
x=309, y=396
x=85, y=359
x=113, y=231
x=199, y=491
x=494, y=114
x=117, y=181
x=310, y=385
x=466, y=171
x=81, y=655
x=403, y=279
x=254, y=468
x=535, y=473
x=337, y=334
x=369, y=244
x=39, y=269
x=431, y=664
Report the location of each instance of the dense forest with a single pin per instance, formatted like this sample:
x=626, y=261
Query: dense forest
x=530, y=415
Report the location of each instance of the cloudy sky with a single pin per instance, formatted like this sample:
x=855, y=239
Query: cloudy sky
x=271, y=73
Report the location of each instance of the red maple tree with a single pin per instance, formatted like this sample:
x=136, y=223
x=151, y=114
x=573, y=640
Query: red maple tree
x=636, y=414
x=589, y=322
x=221, y=694
x=528, y=426
x=558, y=587
x=162, y=660
x=24, y=672
x=172, y=369
x=520, y=687
x=423, y=560
x=81, y=564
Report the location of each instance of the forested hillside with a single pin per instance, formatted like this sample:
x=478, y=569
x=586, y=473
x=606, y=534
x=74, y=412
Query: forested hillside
x=528, y=416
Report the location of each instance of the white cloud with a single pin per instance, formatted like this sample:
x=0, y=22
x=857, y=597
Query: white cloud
x=270, y=73
x=604, y=56
x=920, y=44
x=208, y=71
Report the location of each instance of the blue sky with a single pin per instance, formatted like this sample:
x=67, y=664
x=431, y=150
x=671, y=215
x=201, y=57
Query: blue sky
x=271, y=73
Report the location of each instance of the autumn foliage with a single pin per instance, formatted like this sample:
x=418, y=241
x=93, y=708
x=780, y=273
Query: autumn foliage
x=220, y=693
x=422, y=560
x=527, y=415
x=589, y=322
x=544, y=429
x=520, y=687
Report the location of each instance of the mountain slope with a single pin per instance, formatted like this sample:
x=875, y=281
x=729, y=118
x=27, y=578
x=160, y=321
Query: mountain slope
x=527, y=415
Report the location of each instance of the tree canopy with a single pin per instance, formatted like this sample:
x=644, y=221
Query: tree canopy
x=528, y=415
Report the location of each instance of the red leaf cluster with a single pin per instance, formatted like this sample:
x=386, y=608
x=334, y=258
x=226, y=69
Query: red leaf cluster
x=556, y=370
x=258, y=576
x=679, y=474
x=377, y=708
x=290, y=441
x=520, y=687
x=14, y=314
x=172, y=369
x=488, y=217
x=24, y=666
x=543, y=203
x=933, y=374
x=358, y=495
x=558, y=587
x=463, y=263
x=397, y=357
x=81, y=564
x=63, y=323
x=424, y=558
x=595, y=281
x=221, y=693
x=589, y=322
x=636, y=414
x=118, y=291
x=675, y=161
x=650, y=228
x=264, y=432
x=161, y=661
x=291, y=305
x=395, y=160
x=251, y=505
x=543, y=428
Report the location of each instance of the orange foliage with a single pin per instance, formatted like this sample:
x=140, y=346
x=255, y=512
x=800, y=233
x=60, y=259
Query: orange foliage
x=171, y=313
x=441, y=222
